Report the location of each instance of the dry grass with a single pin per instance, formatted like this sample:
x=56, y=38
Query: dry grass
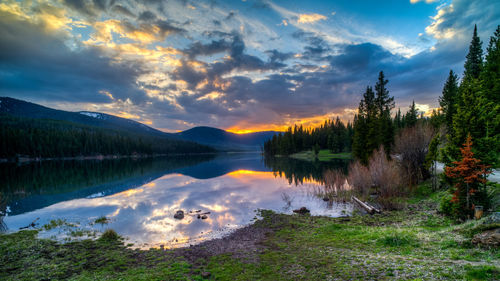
x=336, y=186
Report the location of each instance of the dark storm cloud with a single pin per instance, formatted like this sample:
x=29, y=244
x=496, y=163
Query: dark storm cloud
x=186, y=73
x=366, y=57
x=38, y=64
x=168, y=27
x=101, y=4
x=241, y=61
x=310, y=92
x=237, y=60
x=277, y=56
x=147, y=16
x=317, y=48
x=214, y=47
x=122, y=10
x=84, y=7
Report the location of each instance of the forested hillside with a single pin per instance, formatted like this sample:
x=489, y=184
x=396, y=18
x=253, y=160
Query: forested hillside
x=30, y=137
x=333, y=135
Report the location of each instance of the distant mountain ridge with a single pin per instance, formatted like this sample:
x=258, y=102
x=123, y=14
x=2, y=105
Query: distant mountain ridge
x=217, y=138
x=221, y=139
x=32, y=110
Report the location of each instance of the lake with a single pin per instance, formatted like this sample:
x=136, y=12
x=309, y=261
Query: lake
x=141, y=196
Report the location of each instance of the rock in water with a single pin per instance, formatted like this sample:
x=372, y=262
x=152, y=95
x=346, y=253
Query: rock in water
x=179, y=215
x=326, y=199
x=302, y=211
x=204, y=217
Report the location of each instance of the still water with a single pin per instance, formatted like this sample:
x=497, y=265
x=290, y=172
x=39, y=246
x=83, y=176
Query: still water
x=140, y=197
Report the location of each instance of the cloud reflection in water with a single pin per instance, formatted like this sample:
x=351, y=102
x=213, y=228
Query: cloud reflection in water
x=145, y=215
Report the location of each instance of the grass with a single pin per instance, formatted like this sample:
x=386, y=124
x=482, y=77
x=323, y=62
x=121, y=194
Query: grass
x=101, y=220
x=412, y=244
x=323, y=155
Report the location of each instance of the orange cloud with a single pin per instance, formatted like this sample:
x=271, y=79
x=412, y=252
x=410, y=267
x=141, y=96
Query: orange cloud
x=246, y=127
x=310, y=18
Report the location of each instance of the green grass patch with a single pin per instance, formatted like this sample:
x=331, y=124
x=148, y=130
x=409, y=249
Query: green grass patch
x=415, y=243
x=485, y=272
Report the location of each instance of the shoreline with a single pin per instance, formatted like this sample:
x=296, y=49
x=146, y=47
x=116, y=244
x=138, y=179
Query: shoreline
x=108, y=157
x=96, y=157
x=413, y=243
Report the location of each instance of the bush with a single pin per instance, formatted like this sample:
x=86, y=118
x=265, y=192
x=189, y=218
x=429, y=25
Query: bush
x=447, y=206
x=359, y=178
x=411, y=147
x=381, y=176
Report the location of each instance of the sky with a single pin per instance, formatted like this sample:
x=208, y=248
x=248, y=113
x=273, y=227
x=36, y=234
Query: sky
x=238, y=65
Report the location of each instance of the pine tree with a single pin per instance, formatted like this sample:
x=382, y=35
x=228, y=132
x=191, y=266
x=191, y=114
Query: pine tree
x=469, y=176
x=449, y=99
x=385, y=104
x=490, y=92
x=365, y=131
x=397, y=120
x=474, y=59
x=477, y=110
x=411, y=116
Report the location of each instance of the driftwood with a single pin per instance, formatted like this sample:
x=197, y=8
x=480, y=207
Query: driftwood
x=370, y=209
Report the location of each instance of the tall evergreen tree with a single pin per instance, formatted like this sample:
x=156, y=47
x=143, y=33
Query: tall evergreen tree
x=468, y=103
x=366, y=131
x=490, y=95
x=385, y=104
x=398, y=124
x=449, y=99
x=477, y=110
x=491, y=74
x=474, y=59
x=411, y=116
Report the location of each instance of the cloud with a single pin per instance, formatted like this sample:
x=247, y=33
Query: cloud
x=219, y=65
x=122, y=10
x=34, y=61
x=310, y=18
x=146, y=16
x=84, y=7
x=458, y=18
x=145, y=32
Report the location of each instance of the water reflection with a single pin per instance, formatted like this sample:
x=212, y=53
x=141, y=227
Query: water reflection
x=141, y=205
x=299, y=171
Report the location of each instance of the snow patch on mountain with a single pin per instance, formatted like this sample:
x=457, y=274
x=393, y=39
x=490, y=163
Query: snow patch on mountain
x=93, y=114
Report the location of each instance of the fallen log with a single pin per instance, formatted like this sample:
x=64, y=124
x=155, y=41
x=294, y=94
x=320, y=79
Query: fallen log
x=369, y=209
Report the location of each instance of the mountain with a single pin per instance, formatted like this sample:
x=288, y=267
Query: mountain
x=217, y=138
x=29, y=130
x=224, y=140
x=26, y=109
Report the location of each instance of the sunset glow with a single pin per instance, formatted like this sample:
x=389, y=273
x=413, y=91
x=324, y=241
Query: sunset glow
x=243, y=66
